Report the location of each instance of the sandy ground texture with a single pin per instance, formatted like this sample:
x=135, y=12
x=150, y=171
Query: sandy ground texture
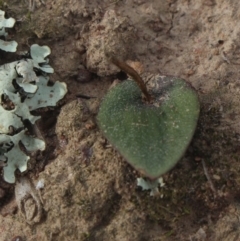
x=89, y=191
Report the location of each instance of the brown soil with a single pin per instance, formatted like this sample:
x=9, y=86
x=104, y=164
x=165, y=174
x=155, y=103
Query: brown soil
x=90, y=192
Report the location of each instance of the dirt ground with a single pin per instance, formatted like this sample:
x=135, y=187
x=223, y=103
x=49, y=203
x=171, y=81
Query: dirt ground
x=90, y=192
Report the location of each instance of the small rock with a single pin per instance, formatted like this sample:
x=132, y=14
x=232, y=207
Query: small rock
x=90, y=125
x=17, y=238
x=28, y=201
x=216, y=177
x=197, y=159
x=40, y=184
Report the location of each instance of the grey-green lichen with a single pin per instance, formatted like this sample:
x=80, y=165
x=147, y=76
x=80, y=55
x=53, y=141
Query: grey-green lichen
x=8, y=46
x=23, y=88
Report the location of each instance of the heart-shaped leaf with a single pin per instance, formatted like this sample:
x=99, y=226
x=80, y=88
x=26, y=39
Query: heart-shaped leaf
x=151, y=136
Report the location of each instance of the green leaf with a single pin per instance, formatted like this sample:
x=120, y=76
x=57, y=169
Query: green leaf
x=152, y=137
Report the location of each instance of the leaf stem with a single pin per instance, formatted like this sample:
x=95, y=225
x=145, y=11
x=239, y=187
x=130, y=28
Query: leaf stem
x=130, y=71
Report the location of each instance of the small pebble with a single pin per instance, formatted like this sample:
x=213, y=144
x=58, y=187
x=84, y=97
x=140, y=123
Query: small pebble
x=17, y=238
x=216, y=177
x=40, y=184
x=197, y=159
x=90, y=126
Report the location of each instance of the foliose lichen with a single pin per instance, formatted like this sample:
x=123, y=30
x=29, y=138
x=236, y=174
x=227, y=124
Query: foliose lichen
x=9, y=46
x=23, y=88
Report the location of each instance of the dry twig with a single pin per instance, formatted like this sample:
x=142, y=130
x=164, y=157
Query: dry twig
x=208, y=177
